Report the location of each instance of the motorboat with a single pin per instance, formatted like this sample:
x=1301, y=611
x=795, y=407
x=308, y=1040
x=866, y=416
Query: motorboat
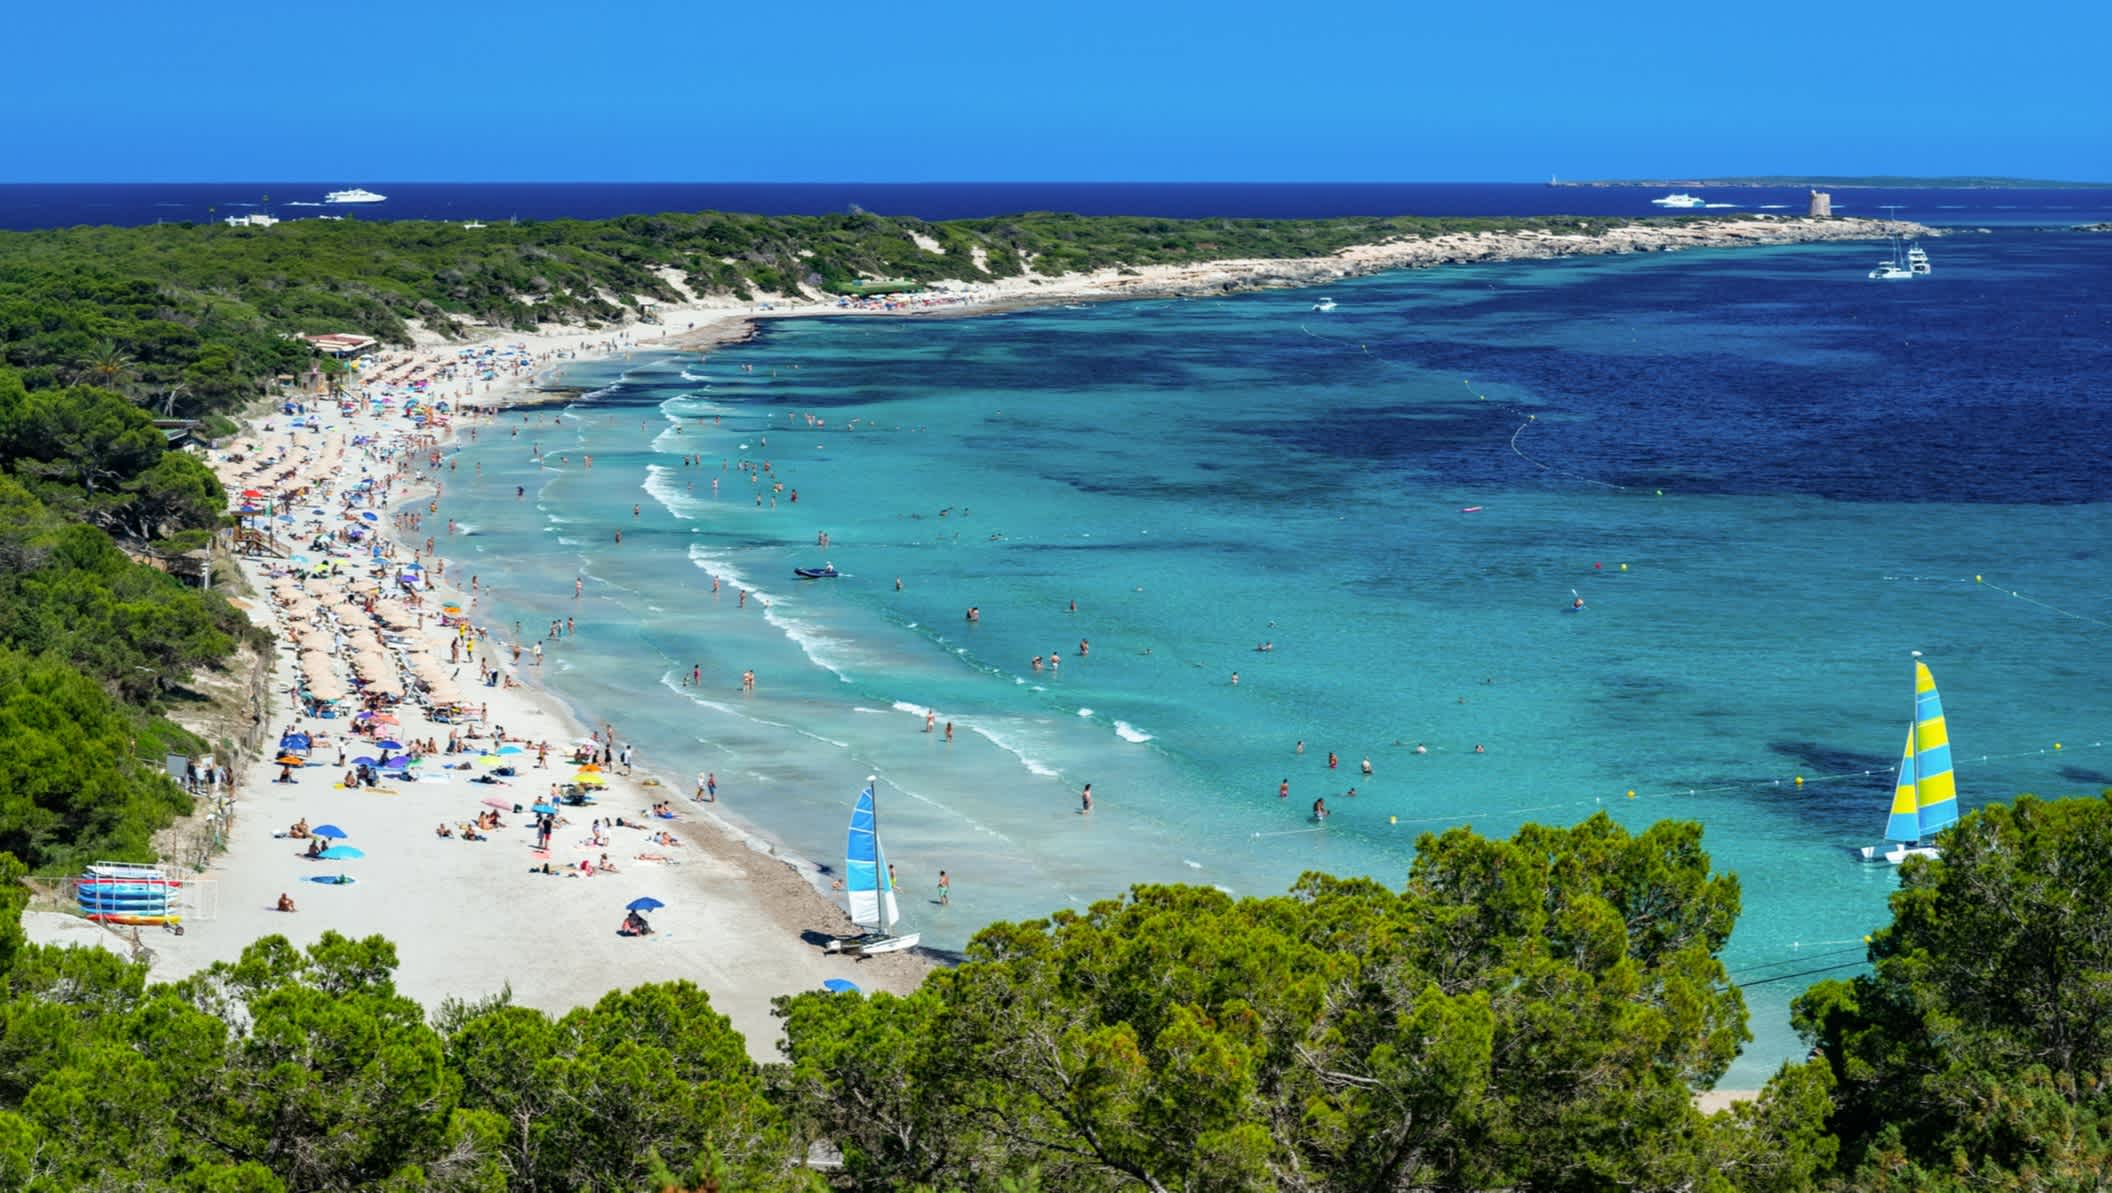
x=1918, y=260
x=1680, y=199
x=826, y=571
x=1325, y=304
x=355, y=195
x=1901, y=264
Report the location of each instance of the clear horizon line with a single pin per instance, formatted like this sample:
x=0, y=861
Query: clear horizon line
x=977, y=181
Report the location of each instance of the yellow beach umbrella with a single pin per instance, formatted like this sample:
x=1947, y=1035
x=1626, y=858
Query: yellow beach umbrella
x=585, y=780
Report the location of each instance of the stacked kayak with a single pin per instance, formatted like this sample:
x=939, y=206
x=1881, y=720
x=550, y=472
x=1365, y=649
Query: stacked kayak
x=122, y=893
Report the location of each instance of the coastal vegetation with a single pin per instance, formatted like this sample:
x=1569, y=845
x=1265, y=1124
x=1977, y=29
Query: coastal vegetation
x=188, y=320
x=1533, y=1013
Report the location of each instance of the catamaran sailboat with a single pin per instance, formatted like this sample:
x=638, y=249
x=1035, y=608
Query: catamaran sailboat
x=871, y=889
x=1925, y=798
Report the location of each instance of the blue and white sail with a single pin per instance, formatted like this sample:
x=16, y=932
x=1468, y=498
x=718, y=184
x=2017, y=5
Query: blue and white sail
x=865, y=880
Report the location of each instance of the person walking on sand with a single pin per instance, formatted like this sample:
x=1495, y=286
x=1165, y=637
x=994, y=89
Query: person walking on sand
x=945, y=889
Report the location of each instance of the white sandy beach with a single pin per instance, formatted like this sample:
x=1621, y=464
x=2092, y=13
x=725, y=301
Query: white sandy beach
x=470, y=918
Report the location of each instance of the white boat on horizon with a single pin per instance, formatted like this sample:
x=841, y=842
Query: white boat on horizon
x=1325, y=304
x=355, y=195
x=1925, y=797
x=1680, y=199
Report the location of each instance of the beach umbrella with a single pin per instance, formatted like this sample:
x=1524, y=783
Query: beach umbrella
x=590, y=781
x=369, y=516
x=840, y=986
x=366, y=760
x=388, y=743
x=291, y=760
x=251, y=493
x=285, y=517
x=341, y=853
x=328, y=832
x=487, y=760
x=397, y=763
x=511, y=750
x=644, y=903
x=493, y=801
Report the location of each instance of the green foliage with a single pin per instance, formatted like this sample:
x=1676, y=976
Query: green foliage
x=1527, y=1013
x=191, y=319
x=71, y=788
x=1978, y=1053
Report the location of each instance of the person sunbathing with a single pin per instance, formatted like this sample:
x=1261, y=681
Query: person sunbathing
x=315, y=847
x=285, y=902
x=634, y=925
x=604, y=865
x=665, y=838
x=653, y=857
x=443, y=830
x=299, y=829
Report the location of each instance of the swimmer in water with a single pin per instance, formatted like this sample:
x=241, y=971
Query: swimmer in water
x=1478, y=749
x=1283, y=789
x=1367, y=767
x=1320, y=809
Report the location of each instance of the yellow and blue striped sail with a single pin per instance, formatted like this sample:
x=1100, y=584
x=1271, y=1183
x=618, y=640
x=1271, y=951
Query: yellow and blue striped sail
x=1935, y=788
x=1905, y=822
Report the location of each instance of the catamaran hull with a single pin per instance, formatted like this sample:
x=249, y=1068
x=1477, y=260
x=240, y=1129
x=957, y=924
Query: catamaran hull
x=873, y=946
x=1897, y=853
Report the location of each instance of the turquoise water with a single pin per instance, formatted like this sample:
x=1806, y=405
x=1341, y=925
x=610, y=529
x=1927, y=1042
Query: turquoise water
x=1768, y=479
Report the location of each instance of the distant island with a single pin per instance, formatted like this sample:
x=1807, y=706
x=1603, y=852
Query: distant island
x=1959, y=182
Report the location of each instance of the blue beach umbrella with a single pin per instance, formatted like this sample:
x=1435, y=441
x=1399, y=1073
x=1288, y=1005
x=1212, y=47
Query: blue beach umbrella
x=840, y=986
x=365, y=760
x=369, y=516
x=543, y=810
x=328, y=832
x=646, y=903
x=298, y=559
x=340, y=853
x=397, y=763
x=285, y=517
x=510, y=750
x=388, y=743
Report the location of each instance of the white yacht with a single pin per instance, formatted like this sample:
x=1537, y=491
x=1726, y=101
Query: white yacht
x=1680, y=199
x=1325, y=304
x=1898, y=266
x=355, y=195
x=1918, y=261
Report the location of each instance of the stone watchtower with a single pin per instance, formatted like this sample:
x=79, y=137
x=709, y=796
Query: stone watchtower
x=1821, y=206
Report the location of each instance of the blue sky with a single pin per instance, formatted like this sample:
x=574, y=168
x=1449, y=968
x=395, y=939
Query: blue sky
x=712, y=91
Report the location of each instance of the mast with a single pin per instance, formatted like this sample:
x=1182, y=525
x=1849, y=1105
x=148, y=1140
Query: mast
x=1913, y=736
x=882, y=888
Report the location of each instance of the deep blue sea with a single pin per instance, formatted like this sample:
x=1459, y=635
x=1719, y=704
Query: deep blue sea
x=46, y=205
x=1768, y=477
